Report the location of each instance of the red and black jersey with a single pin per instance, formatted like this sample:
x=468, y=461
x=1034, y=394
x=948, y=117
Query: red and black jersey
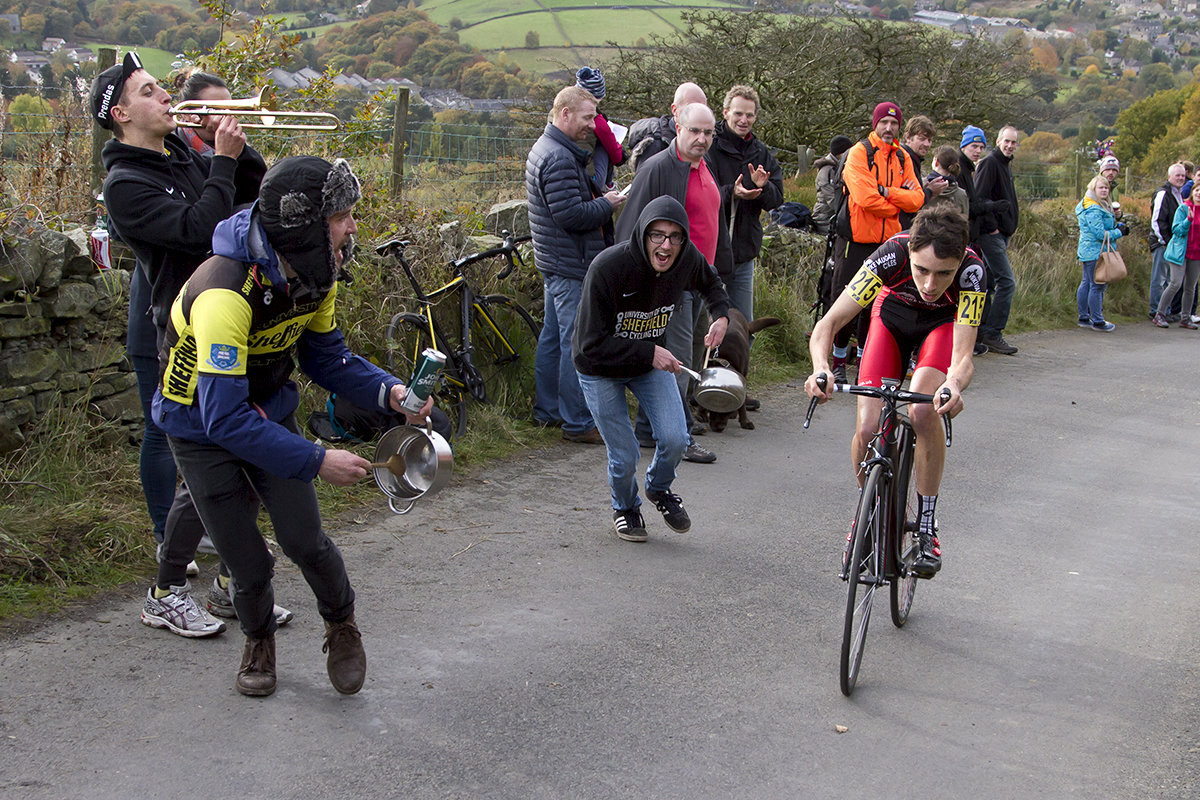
x=887, y=271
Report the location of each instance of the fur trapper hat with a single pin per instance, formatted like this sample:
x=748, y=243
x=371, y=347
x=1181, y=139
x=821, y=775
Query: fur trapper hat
x=297, y=197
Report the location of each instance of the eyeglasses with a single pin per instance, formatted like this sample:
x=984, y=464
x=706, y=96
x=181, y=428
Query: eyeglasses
x=705, y=132
x=658, y=237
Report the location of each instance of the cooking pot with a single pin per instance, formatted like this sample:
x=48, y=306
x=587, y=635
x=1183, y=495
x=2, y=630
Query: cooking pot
x=721, y=389
x=428, y=464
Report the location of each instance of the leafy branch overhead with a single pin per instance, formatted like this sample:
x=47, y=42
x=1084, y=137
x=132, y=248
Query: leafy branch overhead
x=821, y=77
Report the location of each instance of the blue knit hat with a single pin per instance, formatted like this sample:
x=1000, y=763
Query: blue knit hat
x=971, y=135
x=592, y=80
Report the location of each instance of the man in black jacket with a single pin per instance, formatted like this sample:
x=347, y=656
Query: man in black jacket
x=994, y=182
x=632, y=291
x=681, y=172
x=164, y=201
x=918, y=138
x=566, y=221
x=1162, y=213
x=751, y=182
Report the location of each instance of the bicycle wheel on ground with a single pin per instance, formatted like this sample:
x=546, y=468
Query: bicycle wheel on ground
x=906, y=519
x=865, y=575
x=504, y=338
x=407, y=336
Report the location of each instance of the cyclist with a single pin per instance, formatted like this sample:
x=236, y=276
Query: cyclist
x=926, y=290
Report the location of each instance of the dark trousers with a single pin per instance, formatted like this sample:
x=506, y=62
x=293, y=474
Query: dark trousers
x=227, y=492
x=849, y=256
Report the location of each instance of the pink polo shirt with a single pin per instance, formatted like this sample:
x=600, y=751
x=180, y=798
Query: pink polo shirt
x=703, y=207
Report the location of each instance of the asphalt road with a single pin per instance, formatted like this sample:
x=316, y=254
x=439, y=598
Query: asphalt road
x=518, y=649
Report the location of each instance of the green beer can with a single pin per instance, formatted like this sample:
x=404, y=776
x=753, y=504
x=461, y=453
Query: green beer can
x=424, y=380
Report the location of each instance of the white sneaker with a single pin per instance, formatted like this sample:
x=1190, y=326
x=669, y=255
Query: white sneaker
x=1195, y=319
x=179, y=613
x=193, y=569
x=219, y=604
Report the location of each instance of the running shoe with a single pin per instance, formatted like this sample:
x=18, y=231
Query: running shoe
x=219, y=604
x=179, y=613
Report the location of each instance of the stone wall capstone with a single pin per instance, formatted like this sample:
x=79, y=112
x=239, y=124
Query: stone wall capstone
x=62, y=336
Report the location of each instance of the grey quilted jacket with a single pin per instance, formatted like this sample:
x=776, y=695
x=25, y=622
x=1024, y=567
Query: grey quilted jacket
x=564, y=218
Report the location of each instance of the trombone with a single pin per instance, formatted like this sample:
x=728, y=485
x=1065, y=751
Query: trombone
x=263, y=106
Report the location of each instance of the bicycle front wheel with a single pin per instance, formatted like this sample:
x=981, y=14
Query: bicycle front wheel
x=906, y=518
x=865, y=574
x=504, y=339
x=407, y=337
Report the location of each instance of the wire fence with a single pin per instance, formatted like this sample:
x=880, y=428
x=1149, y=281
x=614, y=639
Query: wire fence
x=47, y=162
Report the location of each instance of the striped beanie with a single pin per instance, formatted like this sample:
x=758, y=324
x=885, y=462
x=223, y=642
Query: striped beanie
x=592, y=80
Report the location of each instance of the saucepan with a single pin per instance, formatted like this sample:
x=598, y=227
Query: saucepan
x=720, y=389
x=423, y=469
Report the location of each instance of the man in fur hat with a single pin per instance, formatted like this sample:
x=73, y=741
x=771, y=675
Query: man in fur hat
x=228, y=405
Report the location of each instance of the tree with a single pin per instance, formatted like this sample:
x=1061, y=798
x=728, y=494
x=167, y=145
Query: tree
x=1098, y=40
x=1149, y=119
x=30, y=114
x=825, y=76
x=1154, y=78
x=532, y=40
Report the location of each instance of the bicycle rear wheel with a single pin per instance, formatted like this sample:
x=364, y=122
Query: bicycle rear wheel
x=906, y=519
x=407, y=336
x=504, y=338
x=865, y=574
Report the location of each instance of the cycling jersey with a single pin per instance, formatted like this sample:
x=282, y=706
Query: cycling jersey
x=902, y=321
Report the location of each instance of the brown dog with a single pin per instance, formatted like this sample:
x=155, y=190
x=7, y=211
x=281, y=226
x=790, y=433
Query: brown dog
x=736, y=350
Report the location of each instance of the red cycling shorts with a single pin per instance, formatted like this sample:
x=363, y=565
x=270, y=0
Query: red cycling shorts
x=896, y=332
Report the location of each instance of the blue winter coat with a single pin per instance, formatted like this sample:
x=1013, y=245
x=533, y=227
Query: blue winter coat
x=1094, y=221
x=1181, y=226
x=564, y=218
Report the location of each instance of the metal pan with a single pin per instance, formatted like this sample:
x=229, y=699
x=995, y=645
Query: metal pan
x=428, y=464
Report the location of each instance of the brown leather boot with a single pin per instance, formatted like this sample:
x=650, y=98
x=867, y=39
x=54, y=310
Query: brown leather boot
x=256, y=678
x=347, y=661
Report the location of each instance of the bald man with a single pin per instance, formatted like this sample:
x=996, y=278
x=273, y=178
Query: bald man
x=648, y=137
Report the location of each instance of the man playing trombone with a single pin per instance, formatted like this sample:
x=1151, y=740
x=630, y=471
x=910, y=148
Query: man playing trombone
x=164, y=201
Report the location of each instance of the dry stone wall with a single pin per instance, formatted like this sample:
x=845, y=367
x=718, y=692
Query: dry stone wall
x=62, y=337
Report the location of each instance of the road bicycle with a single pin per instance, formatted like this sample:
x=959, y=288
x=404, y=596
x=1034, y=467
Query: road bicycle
x=884, y=544
x=490, y=359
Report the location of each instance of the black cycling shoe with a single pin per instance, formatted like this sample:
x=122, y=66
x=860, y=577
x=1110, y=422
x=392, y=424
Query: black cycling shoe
x=929, y=561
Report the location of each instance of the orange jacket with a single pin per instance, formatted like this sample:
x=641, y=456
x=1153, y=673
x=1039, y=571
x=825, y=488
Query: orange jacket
x=875, y=218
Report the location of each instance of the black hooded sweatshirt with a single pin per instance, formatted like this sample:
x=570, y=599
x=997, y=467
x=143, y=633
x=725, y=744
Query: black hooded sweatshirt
x=166, y=205
x=626, y=304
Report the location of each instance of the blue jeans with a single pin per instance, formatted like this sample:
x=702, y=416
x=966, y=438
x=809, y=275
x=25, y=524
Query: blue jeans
x=1160, y=274
x=558, y=397
x=741, y=288
x=1001, y=284
x=677, y=339
x=658, y=396
x=156, y=464
x=1090, y=296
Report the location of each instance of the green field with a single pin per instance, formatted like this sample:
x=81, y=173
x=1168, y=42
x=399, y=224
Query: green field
x=592, y=27
x=157, y=62
x=510, y=32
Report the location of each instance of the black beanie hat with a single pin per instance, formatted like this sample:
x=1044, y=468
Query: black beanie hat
x=840, y=144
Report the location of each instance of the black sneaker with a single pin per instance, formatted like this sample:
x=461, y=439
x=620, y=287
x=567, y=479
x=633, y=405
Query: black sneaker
x=998, y=345
x=930, y=559
x=980, y=348
x=671, y=506
x=630, y=526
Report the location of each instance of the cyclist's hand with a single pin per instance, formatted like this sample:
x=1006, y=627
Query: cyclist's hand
x=813, y=389
x=664, y=360
x=716, y=332
x=615, y=198
x=951, y=406
x=342, y=468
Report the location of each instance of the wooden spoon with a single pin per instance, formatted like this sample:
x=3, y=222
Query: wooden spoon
x=394, y=464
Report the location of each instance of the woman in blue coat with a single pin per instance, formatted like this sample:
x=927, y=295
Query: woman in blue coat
x=1096, y=219
x=1183, y=257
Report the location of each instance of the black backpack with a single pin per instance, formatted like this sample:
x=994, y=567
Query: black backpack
x=842, y=217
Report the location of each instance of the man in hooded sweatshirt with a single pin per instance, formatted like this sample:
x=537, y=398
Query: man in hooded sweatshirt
x=630, y=293
x=228, y=403
x=164, y=200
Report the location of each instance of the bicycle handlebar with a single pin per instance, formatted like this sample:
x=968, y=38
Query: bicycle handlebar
x=508, y=249
x=892, y=395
